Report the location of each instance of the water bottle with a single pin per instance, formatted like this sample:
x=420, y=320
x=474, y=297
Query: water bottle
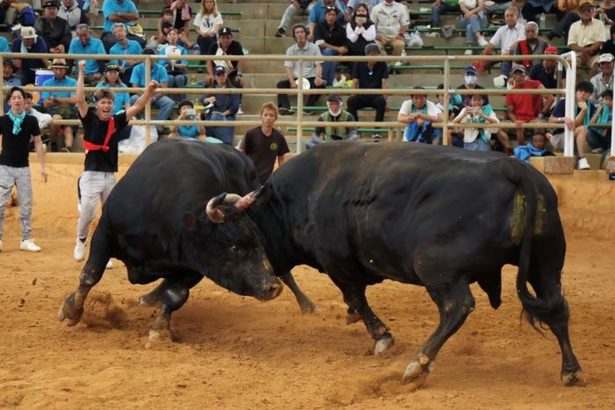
x=543, y=19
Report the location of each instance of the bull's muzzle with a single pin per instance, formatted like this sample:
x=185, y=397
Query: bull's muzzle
x=273, y=290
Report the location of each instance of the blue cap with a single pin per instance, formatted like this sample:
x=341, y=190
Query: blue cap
x=471, y=70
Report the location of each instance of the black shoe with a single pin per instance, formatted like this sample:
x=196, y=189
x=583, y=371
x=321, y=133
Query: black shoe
x=280, y=33
x=285, y=111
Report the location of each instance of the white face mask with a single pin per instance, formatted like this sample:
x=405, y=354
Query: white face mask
x=470, y=79
x=334, y=113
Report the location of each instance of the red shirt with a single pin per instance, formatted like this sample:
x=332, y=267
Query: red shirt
x=526, y=107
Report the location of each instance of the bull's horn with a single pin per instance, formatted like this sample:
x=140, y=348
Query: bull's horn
x=247, y=200
x=213, y=212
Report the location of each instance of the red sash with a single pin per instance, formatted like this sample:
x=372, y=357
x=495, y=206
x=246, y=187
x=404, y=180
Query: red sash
x=525, y=50
x=90, y=146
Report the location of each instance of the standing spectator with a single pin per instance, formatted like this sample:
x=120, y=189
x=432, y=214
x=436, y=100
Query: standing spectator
x=84, y=43
x=176, y=68
x=29, y=42
x=116, y=11
x=587, y=35
x=477, y=139
x=604, y=79
x=599, y=139
x=366, y=75
x=60, y=104
x=226, y=46
x=291, y=11
x=328, y=133
x=72, y=13
x=312, y=70
x=264, y=144
x=473, y=20
x=100, y=139
x=159, y=75
x=330, y=37
x=391, y=20
x=440, y=7
x=53, y=29
x=317, y=14
x=505, y=38
x=523, y=108
x=124, y=46
x=360, y=31
x=182, y=14
x=224, y=108
x=17, y=129
x=532, y=8
x=583, y=112
x=207, y=22
x=419, y=114
x=546, y=72
x=8, y=72
x=531, y=45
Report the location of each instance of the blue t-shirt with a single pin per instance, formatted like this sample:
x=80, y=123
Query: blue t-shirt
x=112, y=7
x=133, y=47
x=65, y=82
x=137, y=78
x=163, y=52
x=317, y=15
x=94, y=46
x=4, y=45
x=188, y=131
x=121, y=97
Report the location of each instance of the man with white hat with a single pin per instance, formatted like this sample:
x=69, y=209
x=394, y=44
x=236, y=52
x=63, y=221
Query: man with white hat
x=60, y=104
x=29, y=42
x=604, y=79
x=587, y=35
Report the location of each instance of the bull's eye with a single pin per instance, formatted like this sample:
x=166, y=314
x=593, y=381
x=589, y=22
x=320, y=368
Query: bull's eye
x=234, y=248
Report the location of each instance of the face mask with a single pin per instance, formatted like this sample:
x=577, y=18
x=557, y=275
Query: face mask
x=334, y=113
x=470, y=79
x=360, y=18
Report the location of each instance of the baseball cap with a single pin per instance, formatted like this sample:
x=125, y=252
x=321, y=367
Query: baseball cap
x=551, y=50
x=518, y=67
x=111, y=67
x=28, y=32
x=605, y=58
x=219, y=70
x=334, y=97
x=225, y=31
x=471, y=70
x=8, y=61
x=51, y=4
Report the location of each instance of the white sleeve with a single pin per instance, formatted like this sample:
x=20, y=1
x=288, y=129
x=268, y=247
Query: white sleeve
x=350, y=34
x=370, y=33
x=406, y=107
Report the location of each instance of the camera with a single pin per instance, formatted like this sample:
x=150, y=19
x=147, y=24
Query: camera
x=191, y=112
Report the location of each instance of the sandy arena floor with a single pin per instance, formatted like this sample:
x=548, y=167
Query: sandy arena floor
x=237, y=353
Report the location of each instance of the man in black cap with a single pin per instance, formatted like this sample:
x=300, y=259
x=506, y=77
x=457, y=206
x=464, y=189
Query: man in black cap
x=334, y=113
x=53, y=29
x=226, y=46
x=8, y=71
x=371, y=74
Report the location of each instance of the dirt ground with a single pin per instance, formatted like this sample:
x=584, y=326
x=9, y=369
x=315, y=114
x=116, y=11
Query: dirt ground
x=233, y=352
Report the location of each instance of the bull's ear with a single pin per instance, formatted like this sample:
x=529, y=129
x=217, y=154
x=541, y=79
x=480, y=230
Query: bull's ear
x=214, y=213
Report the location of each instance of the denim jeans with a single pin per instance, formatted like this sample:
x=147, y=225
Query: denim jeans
x=472, y=25
x=224, y=134
x=329, y=67
x=436, y=13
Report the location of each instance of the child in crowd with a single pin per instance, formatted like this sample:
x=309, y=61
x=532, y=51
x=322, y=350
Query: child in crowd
x=188, y=113
x=477, y=139
x=536, y=148
x=599, y=139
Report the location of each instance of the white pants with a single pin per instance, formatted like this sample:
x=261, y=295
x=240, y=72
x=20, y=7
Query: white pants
x=20, y=177
x=94, y=186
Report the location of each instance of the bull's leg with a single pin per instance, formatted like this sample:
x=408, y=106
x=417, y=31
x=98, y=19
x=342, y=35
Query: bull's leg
x=354, y=296
x=455, y=302
x=305, y=304
x=92, y=272
x=173, y=295
x=153, y=298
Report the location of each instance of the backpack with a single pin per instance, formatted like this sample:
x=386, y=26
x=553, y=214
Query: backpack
x=27, y=17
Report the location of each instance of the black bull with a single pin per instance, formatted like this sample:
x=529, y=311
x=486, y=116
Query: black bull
x=437, y=217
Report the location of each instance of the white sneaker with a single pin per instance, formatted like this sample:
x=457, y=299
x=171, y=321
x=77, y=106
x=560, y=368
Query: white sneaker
x=468, y=52
x=583, y=164
x=398, y=64
x=79, y=251
x=29, y=246
x=109, y=265
x=482, y=41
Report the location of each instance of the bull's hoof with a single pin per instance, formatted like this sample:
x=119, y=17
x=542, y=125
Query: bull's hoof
x=307, y=307
x=573, y=379
x=417, y=371
x=353, y=317
x=383, y=344
x=69, y=313
x=163, y=335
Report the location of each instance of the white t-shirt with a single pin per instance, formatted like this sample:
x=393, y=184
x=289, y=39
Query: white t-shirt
x=470, y=134
x=208, y=22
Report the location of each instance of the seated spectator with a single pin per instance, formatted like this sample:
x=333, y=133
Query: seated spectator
x=524, y=108
x=583, y=112
x=440, y=7
x=500, y=7
x=60, y=104
x=8, y=71
x=477, y=139
x=546, y=72
x=226, y=46
x=366, y=75
x=157, y=73
x=360, y=31
x=604, y=79
x=73, y=14
x=317, y=14
x=187, y=113
x=84, y=43
x=562, y=26
x=328, y=133
x=473, y=20
x=391, y=20
x=29, y=42
x=43, y=119
x=504, y=39
x=182, y=14
x=264, y=144
x=470, y=82
x=609, y=45
x=53, y=29
x=291, y=11
x=208, y=21
x=419, y=114
x=176, y=69
x=531, y=45
x=124, y=46
x=312, y=70
x=116, y=11
x=224, y=108
x=587, y=35
x=535, y=148
x=599, y=139
x=165, y=23
x=330, y=37
x=533, y=8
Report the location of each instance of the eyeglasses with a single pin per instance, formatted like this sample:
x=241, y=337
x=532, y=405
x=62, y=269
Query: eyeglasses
x=331, y=8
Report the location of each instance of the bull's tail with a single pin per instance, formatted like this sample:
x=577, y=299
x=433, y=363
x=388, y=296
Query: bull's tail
x=545, y=306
